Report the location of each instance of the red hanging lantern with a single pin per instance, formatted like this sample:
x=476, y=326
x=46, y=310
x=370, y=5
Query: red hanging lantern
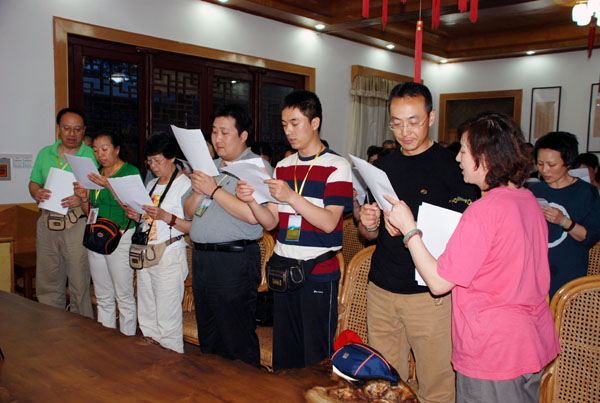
x=384, y=12
x=435, y=14
x=474, y=9
x=462, y=5
x=365, y=8
x=418, y=51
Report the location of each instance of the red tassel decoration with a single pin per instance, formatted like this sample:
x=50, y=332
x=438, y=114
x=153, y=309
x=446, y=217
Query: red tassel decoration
x=435, y=14
x=403, y=1
x=384, y=12
x=462, y=5
x=474, y=8
x=365, y=9
x=591, y=38
x=418, y=51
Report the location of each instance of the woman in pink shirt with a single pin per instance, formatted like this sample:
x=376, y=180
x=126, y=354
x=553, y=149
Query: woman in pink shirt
x=496, y=264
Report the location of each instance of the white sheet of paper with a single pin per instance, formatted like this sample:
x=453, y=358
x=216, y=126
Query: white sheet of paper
x=359, y=185
x=581, y=173
x=60, y=183
x=131, y=191
x=82, y=167
x=377, y=181
x=438, y=225
x=194, y=148
x=252, y=171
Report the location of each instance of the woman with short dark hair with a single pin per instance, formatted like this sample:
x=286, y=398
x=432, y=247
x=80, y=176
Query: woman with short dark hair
x=160, y=288
x=496, y=264
x=571, y=207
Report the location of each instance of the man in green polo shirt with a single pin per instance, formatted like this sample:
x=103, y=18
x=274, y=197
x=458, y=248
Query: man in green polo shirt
x=60, y=253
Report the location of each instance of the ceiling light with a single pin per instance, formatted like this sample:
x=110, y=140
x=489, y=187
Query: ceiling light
x=581, y=14
x=223, y=1
x=443, y=61
x=320, y=27
x=233, y=82
x=530, y=52
x=390, y=46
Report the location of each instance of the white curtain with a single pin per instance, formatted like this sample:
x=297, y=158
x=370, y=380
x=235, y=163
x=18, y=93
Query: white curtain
x=370, y=115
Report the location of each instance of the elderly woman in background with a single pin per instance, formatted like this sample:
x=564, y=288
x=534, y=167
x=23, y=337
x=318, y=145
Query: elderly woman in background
x=111, y=274
x=496, y=264
x=160, y=287
x=572, y=209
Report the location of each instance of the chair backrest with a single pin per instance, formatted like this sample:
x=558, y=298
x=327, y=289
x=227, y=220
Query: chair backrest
x=352, y=242
x=188, y=296
x=594, y=262
x=352, y=313
x=266, y=244
x=575, y=374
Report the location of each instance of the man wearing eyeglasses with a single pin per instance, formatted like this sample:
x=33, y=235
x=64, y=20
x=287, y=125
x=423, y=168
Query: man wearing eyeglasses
x=401, y=314
x=59, y=252
x=226, y=256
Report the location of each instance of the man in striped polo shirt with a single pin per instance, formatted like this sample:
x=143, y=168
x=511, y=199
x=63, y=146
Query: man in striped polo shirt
x=313, y=187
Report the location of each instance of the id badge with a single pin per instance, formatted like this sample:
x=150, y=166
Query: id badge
x=293, y=229
x=92, y=215
x=204, y=204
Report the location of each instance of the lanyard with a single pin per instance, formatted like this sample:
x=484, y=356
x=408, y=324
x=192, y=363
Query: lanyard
x=102, y=173
x=307, y=172
x=58, y=163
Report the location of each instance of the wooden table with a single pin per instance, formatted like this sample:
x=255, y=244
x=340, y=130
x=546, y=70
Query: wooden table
x=54, y=355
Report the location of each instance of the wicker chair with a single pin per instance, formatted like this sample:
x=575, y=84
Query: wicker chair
x=594, y=262
x=266, y=244
x=190, y=328
x=352, y=310
x=352, y=241
x=575, y=374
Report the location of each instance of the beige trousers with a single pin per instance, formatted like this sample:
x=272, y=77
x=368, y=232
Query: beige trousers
x=61, y=256
x=398, y=323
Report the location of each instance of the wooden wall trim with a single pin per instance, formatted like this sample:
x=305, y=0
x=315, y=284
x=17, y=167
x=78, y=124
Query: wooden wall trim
x=367, y=71
x=63, y=27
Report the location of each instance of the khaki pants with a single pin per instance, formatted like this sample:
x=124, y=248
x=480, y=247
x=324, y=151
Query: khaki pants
x=398, y=323
x=61, y=256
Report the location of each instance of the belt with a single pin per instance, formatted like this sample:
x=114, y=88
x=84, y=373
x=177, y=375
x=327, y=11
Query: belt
x=234, y=246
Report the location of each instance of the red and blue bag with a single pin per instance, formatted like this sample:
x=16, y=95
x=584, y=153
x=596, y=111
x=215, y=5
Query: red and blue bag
x=359, y=362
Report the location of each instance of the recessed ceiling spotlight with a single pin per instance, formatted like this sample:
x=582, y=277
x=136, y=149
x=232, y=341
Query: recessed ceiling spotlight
x=320, y=27
x=530, y=52
x=223, y=1
x=390, y=46
x=443, y=61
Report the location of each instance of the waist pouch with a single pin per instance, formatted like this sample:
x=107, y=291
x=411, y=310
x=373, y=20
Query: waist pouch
x=286, y=274
x=103, y=236
x=144, y=256
x=59, y=222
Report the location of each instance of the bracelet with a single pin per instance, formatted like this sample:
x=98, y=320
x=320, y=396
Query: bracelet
x=214, y=191
x=173, y=219
x=374, y=228
x=570, y=227
x=564, y=221
x=410, y=234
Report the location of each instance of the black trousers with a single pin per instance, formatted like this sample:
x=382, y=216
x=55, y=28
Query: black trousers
x=304, y=324
x=225, y=290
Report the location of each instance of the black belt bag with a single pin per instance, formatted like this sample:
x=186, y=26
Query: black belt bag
x=286, y=274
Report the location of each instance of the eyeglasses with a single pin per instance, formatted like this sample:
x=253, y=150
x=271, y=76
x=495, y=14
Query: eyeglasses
x=156, y=161
x=410, y=125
